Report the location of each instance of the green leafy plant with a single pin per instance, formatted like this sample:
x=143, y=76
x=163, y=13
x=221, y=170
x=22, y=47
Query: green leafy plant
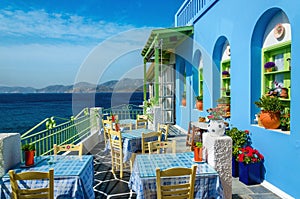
x=199, y=144
x=240, y=138
x=216, y=113
x=285, y=119
x=28, y=147
x=199, y=98
x=270, y=103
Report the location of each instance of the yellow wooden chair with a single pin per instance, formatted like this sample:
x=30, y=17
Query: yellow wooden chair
x=17, y=193
x=115, y=140
x=145, y=146
x=141, y=121
x=161, y=146
x=164, y=129
x=180, y=190
x=68, y=147
x=107, y=125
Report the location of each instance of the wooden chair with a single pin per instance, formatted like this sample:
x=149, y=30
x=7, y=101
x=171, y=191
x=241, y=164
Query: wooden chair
x=145, y=146
x=68, y=147
x=194, y=134
x=159, y=146
x=107, y=124
x=141, y=121
x=46, y=192
x=115, y=140
x=180, y=190
x=164, y=129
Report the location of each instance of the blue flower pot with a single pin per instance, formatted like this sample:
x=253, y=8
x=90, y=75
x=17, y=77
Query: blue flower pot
x=235, y=168
x=250, y=174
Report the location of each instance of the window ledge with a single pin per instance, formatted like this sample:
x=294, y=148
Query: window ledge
x=276, y=130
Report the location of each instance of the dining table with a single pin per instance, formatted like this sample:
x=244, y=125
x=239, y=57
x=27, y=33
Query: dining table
x=73, y=176
x=143, y=176
x=132, y=141
x=127, y=123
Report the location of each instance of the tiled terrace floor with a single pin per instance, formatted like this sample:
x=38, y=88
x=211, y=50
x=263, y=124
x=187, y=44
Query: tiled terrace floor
x=106, y=185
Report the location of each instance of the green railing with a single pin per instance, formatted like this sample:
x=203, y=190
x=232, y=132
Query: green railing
x=72, y=131
x=124, y=111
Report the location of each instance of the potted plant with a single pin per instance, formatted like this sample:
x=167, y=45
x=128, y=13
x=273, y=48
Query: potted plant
x=29, y=151
x=183, y=99
x=240, y=138
x=285, y=122
x=198, y=152
x=199, y=102
x=250, y=166
x=225, y=73
x=224, y=102
x=270, y=113
x=269, y=66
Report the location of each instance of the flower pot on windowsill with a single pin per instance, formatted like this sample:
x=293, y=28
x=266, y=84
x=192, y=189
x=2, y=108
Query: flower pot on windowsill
x=183, y=102
x=284, y=128
x=199, y=105
x=270, y=119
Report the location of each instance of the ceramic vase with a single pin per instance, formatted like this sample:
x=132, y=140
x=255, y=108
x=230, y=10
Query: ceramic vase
x=216, y=127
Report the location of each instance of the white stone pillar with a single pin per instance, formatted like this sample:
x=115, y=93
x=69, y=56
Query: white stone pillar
x=10, y=151
x=156, y=118
x=95, y=119
x=218, y=154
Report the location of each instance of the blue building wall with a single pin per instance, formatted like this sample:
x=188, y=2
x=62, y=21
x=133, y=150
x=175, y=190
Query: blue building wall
x=242, y=24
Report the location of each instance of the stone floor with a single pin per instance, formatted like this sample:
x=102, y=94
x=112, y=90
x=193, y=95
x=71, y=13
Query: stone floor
x=107, y=185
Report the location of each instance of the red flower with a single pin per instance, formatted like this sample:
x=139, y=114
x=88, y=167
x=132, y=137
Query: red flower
x=246, y=131
x=249, y=155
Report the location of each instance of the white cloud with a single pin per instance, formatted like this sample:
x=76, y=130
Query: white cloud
x=40, y=24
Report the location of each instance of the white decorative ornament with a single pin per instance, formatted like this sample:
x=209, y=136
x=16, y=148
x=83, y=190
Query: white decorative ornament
x=227, y=50
x=216, y=127
x=279, y=31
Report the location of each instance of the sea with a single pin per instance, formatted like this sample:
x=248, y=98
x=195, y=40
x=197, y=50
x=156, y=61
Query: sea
x=20, y=112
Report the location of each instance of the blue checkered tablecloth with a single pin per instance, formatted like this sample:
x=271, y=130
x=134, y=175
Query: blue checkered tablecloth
x=143, y=177
x=73, y=176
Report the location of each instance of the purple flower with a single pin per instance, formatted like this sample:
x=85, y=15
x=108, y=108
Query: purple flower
x=225, y=72
x=269, y=64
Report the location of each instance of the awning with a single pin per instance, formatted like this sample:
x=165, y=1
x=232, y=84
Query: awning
x=167, y=39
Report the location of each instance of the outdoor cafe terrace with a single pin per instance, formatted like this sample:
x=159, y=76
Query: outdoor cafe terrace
x=87, y=128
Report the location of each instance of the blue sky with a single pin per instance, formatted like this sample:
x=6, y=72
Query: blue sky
x=47, y=42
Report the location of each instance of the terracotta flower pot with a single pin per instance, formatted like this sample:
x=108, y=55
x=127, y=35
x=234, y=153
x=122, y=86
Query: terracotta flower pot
x=183, y=102
x=199, y=105
x=270, y=120
x=198, y=154
x=29, y=158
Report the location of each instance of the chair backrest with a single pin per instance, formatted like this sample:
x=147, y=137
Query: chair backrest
x=18, y=193
x=164, y=129
x=68, y=147
x=115, y=141
x=107, y=124
x=180, y=190
x=145, y=146
x=161, y=146
x=141, y=121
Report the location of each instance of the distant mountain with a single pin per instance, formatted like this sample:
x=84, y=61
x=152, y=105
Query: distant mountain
x=124, y=85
